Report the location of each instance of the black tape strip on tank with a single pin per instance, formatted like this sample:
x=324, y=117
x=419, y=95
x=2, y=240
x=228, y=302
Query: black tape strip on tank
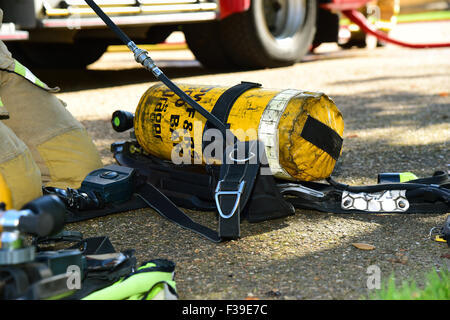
x=322, y=136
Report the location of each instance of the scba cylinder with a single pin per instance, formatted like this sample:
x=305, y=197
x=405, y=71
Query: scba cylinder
x=301, y=130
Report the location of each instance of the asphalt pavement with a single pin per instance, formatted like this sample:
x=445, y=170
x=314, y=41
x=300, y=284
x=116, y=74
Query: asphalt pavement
x=396, y=108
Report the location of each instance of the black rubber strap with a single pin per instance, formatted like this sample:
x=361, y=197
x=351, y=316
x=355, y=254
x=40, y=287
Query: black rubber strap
x=63, y=236
x=233, y=176
x=167, y=209
x=14, y=282
x=438, y=178
x=225, y=102
x=237, y=178
x=322, y=136
x=422, y=198
x=223, y=105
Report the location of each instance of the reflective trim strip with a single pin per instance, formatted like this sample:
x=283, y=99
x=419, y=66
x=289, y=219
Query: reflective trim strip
x=383, y=201
x=19, y=68
x=23, y=71
x=40, y=83
x=30, y=76
x=268, y=130
x=3, y=112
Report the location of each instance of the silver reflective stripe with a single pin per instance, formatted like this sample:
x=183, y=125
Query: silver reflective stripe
x=268, y=130
x=384, y=201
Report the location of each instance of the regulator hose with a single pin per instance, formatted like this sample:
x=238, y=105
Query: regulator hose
x=360, y=20
x=143, y=58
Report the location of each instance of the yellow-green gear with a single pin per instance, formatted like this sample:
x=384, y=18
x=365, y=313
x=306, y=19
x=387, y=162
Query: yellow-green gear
x=59, y=144
x=407, y=176
x=147, y=283
x=23, y=71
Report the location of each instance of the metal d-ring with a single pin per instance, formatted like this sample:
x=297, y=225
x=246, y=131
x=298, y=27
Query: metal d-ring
x=236, y=193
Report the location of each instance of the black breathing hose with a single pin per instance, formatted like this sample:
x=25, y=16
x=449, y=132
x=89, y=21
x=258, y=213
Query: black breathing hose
x=143, y=58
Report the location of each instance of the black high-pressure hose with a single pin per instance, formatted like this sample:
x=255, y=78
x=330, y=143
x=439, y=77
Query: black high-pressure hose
x=143, y=58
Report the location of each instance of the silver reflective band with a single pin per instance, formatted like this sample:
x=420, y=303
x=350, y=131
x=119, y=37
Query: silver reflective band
x=384, y=201
x=236, y=193
x=268, y=130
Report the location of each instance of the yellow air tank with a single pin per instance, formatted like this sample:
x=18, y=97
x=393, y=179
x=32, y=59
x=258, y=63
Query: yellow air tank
x=5, y=194
x=302, y=131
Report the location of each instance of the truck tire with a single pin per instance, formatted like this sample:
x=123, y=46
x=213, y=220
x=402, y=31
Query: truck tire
x=203, y=39
x=57, y=55
x=272, y=33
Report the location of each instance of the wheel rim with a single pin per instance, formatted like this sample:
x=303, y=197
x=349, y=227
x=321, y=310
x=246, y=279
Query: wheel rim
x=284, y=18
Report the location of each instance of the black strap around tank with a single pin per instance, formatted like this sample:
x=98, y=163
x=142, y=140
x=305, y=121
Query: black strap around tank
x=236, y=179
x=223, y=105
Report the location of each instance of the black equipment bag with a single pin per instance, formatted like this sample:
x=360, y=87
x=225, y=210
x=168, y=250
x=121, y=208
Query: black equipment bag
x=165, y=187
x=193, y=187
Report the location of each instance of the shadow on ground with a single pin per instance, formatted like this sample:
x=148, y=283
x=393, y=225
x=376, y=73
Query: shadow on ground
x=77, y=80
x=70, y=80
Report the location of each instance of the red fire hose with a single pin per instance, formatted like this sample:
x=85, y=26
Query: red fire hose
x=360, y=20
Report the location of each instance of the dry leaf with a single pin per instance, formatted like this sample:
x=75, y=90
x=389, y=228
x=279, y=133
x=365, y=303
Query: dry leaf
x=274, y=293
x=402, y=260
x=363, y=246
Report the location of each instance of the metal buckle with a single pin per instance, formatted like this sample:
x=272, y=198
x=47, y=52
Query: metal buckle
x=236, y=193
x=287, y=187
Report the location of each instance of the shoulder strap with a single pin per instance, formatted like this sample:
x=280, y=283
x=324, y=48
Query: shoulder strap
x=238, y=174
x=167, y=209
x=239, y=170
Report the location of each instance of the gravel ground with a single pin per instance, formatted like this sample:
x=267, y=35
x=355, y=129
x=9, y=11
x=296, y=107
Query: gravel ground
x=396, y=108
